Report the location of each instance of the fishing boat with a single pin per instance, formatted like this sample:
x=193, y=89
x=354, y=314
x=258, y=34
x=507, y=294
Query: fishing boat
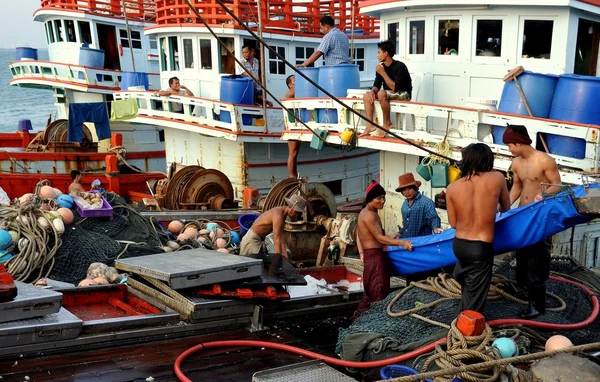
x=94, y=48
x=458, y=54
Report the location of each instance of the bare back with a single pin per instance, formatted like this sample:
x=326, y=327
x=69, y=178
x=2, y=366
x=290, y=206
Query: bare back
x=263, y=225
x=530, y=173
x=473, y=203
x=75, y=187
x=368, y=218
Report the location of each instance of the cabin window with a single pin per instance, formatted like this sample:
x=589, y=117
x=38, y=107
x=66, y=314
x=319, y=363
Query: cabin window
x=173, y=53
x=71, y=36
x=303, y=53
x=359, y=58
x=537, y=38
x=448, y=31
x=50, y=32
x=136, y=39
x=163, y=54
x=153, y=44
x=393, y=34
x=276, y=65
x=58, y=30
x=416, y=33
x=188, y=53
x=205, y=54
x=586, y=49
x=489, y=38
x=85, y=33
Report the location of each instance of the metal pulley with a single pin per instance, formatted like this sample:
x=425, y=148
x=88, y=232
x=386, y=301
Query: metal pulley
x=319, y=196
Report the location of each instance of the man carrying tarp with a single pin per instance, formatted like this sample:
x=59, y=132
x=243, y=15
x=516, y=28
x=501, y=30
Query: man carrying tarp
x=370, y=241
x=531, y=168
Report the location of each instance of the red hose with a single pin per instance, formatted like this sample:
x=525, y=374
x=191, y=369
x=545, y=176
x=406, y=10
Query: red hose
x=384, y=362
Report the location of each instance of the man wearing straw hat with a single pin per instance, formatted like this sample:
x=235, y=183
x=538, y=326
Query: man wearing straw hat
x=272, y=220
x=419, y=216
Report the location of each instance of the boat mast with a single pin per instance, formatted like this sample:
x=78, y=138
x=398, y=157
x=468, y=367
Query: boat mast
x=352, y=6
x=128, y=34
x=262, y=62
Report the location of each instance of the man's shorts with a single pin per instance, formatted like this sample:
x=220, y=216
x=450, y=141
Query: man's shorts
x=402, y=96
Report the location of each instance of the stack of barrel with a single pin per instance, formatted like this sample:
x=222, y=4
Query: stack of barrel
x=568, y=97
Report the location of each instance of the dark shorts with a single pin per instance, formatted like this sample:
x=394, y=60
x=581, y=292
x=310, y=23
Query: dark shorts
x=533, y=269
x=473, y=272
x=376, y=279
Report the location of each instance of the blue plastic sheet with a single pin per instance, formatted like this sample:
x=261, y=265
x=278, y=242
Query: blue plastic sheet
x=515, y=229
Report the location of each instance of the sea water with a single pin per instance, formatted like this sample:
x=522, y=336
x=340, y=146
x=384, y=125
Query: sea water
x=22, y=103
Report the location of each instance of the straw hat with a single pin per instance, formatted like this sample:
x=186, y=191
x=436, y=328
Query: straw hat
x=407, y=180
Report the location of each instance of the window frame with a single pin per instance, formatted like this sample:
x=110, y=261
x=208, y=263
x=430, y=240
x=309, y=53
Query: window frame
x=493, y=59
x=461, y=48
x=200, y=55
x=185, y=55
x=58, y=28
x=521, y=32
x=363, y=59
x=80, y=33
x=304, y=49
x=416, y=56
x=134, y=40
x=276, y=60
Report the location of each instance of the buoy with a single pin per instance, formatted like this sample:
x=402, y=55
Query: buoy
x=235, y=237
x=26, y=199
x=66, y=214
x=203, y=232
x=175, y=227
x=506, y=346
x=183, y=237
x=210, y=226
x=87, y=282
x=65, y=201
x=5, y=239
x=191, y=231
x=347, y=135
x=223, y=250
x=470, y=323
x=221, y=243
x=47, y=192
x=558, y=342
x=57, y=192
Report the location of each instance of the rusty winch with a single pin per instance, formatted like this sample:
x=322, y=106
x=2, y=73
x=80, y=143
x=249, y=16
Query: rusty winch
x=326, y=234
x=195, y=188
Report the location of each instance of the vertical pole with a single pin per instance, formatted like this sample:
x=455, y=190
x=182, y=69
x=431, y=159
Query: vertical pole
x=262, y=64
x=352, y=25
x=128, y=34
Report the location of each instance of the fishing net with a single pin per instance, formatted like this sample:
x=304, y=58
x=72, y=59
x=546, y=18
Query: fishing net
x=102, y=240
x=383, y=336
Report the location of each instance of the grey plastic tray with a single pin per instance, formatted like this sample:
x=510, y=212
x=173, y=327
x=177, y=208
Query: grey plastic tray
x=209, y=309
x=30, y=302
x=54, y=327
x=192, y=268
x=302, y=372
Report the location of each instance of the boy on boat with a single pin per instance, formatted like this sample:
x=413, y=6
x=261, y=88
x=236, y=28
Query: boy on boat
x=293, y=146
x=531, y=168
x=472, y=204
x=370, y=241
x=392, y=82
x=272, y=220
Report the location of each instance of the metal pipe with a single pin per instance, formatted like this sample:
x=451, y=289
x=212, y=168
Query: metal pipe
x=128, y=34
x=262, y=65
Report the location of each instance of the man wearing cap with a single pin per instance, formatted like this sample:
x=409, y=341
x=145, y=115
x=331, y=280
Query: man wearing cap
x=419, y=216
x=531, y=168
x=370, y=242
x=272, y=220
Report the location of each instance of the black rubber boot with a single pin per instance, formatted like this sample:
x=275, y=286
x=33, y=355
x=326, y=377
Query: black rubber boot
x=530, y=313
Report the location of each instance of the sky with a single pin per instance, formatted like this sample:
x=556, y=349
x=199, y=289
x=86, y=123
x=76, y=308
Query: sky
x=17, y=27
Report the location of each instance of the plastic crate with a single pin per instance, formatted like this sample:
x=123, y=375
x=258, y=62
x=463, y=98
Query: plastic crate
x=396, y=371
x=105, y=210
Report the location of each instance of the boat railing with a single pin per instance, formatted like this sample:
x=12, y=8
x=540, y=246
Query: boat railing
x=572, y=145
x=287, y=15
x=211, y=117
x=75, y=75
x=136, y=10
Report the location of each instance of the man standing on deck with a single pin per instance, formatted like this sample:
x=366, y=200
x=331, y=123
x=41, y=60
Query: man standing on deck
x=531, y=168
x=334, y=48
x=472, y=204
x=392, y=82
x=370, y=242
x=252, y=65
x=272, y=220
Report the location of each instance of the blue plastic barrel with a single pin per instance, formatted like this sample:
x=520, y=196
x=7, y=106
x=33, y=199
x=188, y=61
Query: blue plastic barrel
x=538, y=90
x=303, y=88
x=134, y=79
x=336, y=79
x=576, y=99
x=27, y=53
x=245, y=221
x=24, y=125
x=92, y=58
x=238, y=90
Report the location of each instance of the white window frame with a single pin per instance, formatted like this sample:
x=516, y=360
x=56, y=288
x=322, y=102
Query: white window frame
x=300, y=60
x=461, y=48
x=363, y=60
x=213, y=49
x=133, y=40
x=276, y=59
x=194, y=54
x=483, y=59
x=413, y=56
x=536, y=61
x=58, y=31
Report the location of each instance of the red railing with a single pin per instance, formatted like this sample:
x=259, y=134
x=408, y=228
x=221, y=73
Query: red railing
x=137, y=10
x=276, y=14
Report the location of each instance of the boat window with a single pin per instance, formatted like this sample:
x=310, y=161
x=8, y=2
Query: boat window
x=188, y=54
x=586, y=49
x=394, y=34
x=276, y=66
x=85, y=34
x=50, y=32
x=359, y=58
x=489, y=38
x=163, y=54
x=537, y=38
x=71, y=37
x=173, y=53
x=153, y=44
x=303, y=53
x=417, y=37
x=205, y=54
x=136, y=39
x=448, y=36
x=58, y=30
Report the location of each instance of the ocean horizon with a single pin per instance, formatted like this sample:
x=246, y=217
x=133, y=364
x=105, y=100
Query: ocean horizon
x=22, y=103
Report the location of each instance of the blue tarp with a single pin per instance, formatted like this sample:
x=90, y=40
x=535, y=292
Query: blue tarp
x=515, y=229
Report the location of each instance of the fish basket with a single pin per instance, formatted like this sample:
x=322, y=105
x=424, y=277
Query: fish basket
x=396, y=371
x=104, y=211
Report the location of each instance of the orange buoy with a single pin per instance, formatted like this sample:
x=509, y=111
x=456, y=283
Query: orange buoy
x=470, y=323
x=175, y=227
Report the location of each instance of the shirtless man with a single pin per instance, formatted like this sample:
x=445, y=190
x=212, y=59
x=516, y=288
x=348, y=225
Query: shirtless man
x=370, y=242
x=272, y=220
x=293, y=146
x=531, y=168
x=472, y=203
x=76, y=185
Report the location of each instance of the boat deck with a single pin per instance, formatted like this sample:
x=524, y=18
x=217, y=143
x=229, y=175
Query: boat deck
x=138, y=361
